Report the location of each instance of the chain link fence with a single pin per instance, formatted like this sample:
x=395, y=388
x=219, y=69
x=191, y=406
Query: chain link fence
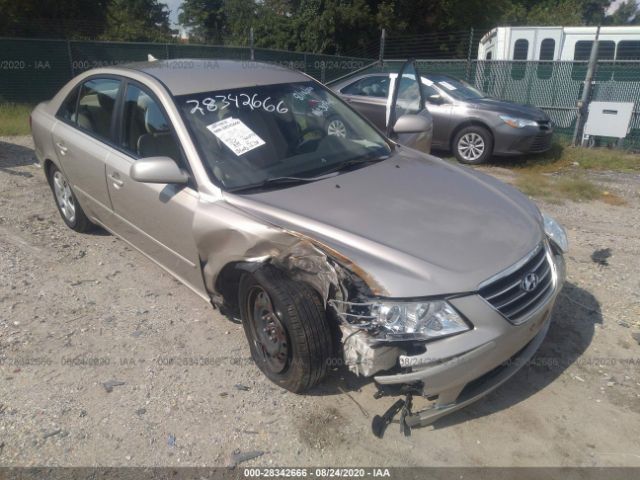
x=33, y=70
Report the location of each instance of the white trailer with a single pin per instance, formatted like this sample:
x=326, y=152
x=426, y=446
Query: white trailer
x=559, y=43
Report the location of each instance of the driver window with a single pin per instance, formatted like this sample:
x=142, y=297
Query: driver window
x=146, y=131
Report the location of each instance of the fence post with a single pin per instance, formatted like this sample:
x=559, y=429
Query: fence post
x=469, y=55
x=583, y=104
x=253, y=55
x=383, y=37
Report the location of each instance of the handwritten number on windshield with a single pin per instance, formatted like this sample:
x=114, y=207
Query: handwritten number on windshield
x=242, y=100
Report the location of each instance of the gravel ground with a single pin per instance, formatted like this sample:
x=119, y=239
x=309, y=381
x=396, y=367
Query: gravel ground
x=107, y=360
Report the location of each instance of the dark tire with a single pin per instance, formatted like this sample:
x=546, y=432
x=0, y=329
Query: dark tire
x=287, y=329
x=473, y=145
x=66, y=201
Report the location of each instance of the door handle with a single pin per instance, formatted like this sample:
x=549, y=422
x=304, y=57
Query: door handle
x=63, y=149
x=117, y=182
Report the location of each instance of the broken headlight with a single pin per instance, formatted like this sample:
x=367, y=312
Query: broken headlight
x=395, y=321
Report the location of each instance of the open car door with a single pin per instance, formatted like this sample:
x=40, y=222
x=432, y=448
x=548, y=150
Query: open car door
x=406, y=97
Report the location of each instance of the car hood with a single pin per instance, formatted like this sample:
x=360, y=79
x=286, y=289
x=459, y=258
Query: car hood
x=417, y=225
x=508, y=108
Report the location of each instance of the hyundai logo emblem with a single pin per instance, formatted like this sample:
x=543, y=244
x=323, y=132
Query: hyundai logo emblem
x=529, y=282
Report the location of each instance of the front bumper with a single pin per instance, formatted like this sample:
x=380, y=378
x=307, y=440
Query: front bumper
x=462, y=369
x=516, y=141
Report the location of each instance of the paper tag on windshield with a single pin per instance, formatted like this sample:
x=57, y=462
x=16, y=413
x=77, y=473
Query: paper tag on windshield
x=447, y=85
x=236, y=135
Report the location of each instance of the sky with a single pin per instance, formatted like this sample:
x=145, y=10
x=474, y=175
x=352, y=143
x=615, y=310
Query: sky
x=173, y=6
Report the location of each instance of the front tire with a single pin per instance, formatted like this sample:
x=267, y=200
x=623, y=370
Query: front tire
x=287, y=329
x=473, y=145
x=66, y=201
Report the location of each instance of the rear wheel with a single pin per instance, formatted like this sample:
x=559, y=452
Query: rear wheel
x=287, y=329
x=68, y=206
x=473, y=145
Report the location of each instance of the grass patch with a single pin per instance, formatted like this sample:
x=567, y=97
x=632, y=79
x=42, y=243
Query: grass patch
x=557, y=189
x=14, y=119
x=562, y=157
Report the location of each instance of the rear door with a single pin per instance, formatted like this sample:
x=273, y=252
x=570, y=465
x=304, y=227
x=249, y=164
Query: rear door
x=368, y=95
x=156, y=218
x=82, y=137
x=406, y=97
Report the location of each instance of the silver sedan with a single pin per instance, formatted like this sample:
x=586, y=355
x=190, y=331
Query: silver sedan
x=269, y=197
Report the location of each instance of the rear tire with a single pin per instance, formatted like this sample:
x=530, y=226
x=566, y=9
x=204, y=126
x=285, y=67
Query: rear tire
x=66, y=201
x=473, y=145
x=287, y=329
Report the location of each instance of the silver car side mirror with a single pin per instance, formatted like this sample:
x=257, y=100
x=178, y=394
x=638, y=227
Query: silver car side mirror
x=412, y=124
x=158, y=170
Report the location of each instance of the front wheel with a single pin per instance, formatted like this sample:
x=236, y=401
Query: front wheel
x=287, y=329
x=473, y=145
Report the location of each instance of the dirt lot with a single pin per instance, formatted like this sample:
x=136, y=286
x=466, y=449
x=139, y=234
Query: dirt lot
x=82, y=310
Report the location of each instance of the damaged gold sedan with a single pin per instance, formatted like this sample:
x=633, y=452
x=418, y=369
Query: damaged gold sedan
x=429, y=277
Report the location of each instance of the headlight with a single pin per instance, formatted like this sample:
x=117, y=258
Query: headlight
x=395, y=321
x=518, y=122
x=556, y=233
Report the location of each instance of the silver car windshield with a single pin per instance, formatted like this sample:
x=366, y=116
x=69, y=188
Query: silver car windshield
x=294, y=131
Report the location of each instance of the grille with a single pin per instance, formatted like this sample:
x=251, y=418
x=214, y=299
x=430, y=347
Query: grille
x=541, y=142
x=508, y=296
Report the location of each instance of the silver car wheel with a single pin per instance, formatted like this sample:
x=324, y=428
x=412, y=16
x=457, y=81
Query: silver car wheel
x=337, y=127
x=64, y=196
x=471, y=146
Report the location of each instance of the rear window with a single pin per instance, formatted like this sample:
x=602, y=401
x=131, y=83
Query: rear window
x=96, y=106
x=67, y=110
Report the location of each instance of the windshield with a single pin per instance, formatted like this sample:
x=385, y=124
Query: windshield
x=250, y=135
x=458, y=89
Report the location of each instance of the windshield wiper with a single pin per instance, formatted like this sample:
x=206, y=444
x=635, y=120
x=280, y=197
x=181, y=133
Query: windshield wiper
x=363, y=160
x=267, y=182
x=288, y=181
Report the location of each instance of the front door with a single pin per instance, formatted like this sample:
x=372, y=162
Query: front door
x=440, y=109
x=156, y=218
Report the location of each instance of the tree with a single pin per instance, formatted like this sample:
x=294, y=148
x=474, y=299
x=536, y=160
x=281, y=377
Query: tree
x=137, y=21
x=626, y=13
x=205, y=19
x=53, y=18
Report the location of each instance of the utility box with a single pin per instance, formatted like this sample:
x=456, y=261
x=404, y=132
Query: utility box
x=608, y=119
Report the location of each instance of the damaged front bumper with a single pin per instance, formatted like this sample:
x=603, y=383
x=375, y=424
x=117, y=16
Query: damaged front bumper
x=459, y=370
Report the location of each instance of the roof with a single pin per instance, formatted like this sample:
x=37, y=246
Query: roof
x=185, y=76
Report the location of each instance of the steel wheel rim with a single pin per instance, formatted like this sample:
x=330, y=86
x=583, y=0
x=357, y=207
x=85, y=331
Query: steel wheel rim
x=337, y=127
x=471, y=146
x=64, y=196
x=270, y=337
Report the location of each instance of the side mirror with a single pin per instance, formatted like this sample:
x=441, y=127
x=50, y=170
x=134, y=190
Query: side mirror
x=412, y=124
x=158, y=170
x=435, y=99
